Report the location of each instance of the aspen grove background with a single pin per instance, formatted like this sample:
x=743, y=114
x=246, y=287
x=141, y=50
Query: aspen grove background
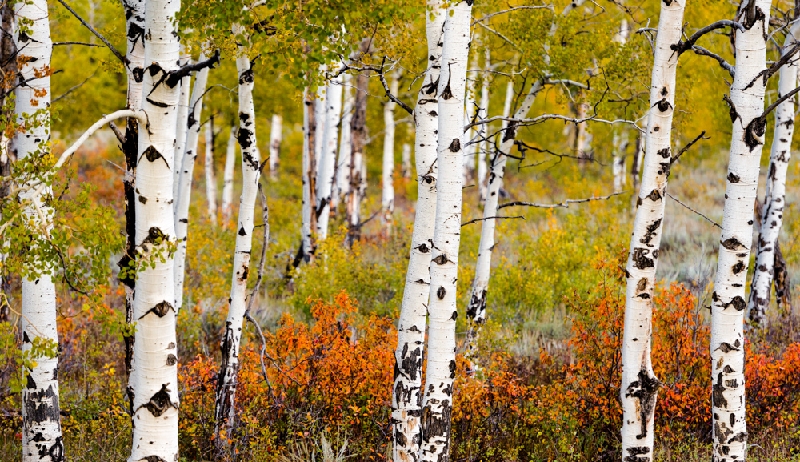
x=329, y=230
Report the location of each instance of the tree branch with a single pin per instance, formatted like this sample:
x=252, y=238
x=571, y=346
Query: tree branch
x=175, y=76
x=125, y=113
x=777, y=102
x=686, y=148
x=389, y=94
x=695, y=211
x=564, y=204
x=509, y=10
x=683, y=46
x=703, y=52
x=85, y=44
x=108, y=44
x=475, y=220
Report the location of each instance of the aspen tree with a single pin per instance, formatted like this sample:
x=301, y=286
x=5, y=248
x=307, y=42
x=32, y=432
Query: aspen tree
x=358, y=136
x=620, y=140
x=728, y=304
x=153, y=384
x=330, y=137
x=227, y=185
x=275, y=138
x=183, y=201
x=41, y=420
x=180, y=136
x=387, y=171
x=406, y=392
x=774, y=199
x=483, y=145
x=211, y=177
x=639, y=384
x=470, y=114
x=308, y=175
x=406, y=160
x=441, y=364
x=251, y=175
x=345, y=142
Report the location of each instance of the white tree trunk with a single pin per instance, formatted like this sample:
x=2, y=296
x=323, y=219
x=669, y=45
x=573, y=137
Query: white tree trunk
x=774, y=199
x=183, y=201
x=639, y=384
x=406, y=392
x=226, y=387
x=483, y=146
x=211, y=177
x=620, y=145
x=470, y=151
x=275, y=139
x=308, y=174
x=728, y=303
x=330, y=139
x=180, y=136
x=345, y=143
x=406, y=160
x=153, y=384
x=41, y=420
x=441, y=364
x=476, y=309
x=387, y=170
x=320, y=111
x=227, y=186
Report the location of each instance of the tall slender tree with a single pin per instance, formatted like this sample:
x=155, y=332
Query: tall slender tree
x=309, y=218
x=211, y=177
x=227, y=184
x=441, y=364
x=41, y=420
x=728, y=303
x=775, y=197
x=639, y=384
x=275, y=138
x=327, y=165
x=407, y=393
x=387, y=170
x=345, y=143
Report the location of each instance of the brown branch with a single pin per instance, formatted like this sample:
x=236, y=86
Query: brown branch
x=564, y=204
x=498, y=217
x=695, y=211
x=688, y=145
x=703, y=52
x=105, y=41
x=683, y=46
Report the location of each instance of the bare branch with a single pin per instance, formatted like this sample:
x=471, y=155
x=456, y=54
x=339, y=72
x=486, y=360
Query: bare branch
x=695, y=211
x=84, y=44
x=475, y=220
x=564, y=204
x=703, y=52
x=125, y=113
x=105, y=41
x=506, y=39
x=389, y=94
x=67, y=93
x=688, y=145
x=120, y=136
x=683, y=46
x=175, y=76
x=523, y=7
x=777, y=102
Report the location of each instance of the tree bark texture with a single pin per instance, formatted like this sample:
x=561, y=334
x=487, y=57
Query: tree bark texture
x=309, y=175
x=227, y=185
x=211, y=177
x=330, y=141
x=387, y=171
x=639, y=385
x=275, y=139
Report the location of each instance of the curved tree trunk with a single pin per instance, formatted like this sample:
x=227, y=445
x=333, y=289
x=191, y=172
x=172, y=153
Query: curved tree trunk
x=211, y=178
x=330, y=137
x=226, y=385
x=476, y=309
x=183, y=201
x=407, y=392
x=639, y=384
x=275, y=138
x=41, y=420
x=387, y=172
x=153, y=385
x=728, y=303
x=227, y=186
x=440, y=369
x=774, y=199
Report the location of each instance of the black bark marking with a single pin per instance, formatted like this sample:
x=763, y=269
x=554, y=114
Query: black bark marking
x=455, y=145
x=447, y=93
x=172, y=360
x=441, y=259
x=154, y=235
x=754, y=132
x=160, y=402
x=640, y=259
x=654, y=195
x=423, y=248
x=156, y=103
x=153, y=459
x=635, y=452
x=650, y=232
x=739, y=267
x=665, y=153
x=160, y=310
x=726, y=347
x=242, y=232
x=42, y=406
x=663, y=105
x=732, y=243
x=440, y=293
x=432, y=425
x=645, y=389
x=246, y=77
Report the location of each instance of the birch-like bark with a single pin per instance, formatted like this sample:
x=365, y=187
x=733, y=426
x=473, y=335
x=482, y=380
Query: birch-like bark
x=275, y=139
x=476, y=310
x=471, y=113
x=309, y=174
x=134, y=52
x=330, y=140
x=407, y=392
x=41, y=421
x=639, y=384
x=774, y=199
x=183, y=201
x=728, y=302
x=358, y=134
x=211, y=177
x=320, y=110
x=483, y=147
x=406, y=160
x=227, y=185
x=180, y=136
x=226, y=386
x=441, y=364
x=153, y=384
x=620, y=143
x=345, y=142
x=387, y=170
